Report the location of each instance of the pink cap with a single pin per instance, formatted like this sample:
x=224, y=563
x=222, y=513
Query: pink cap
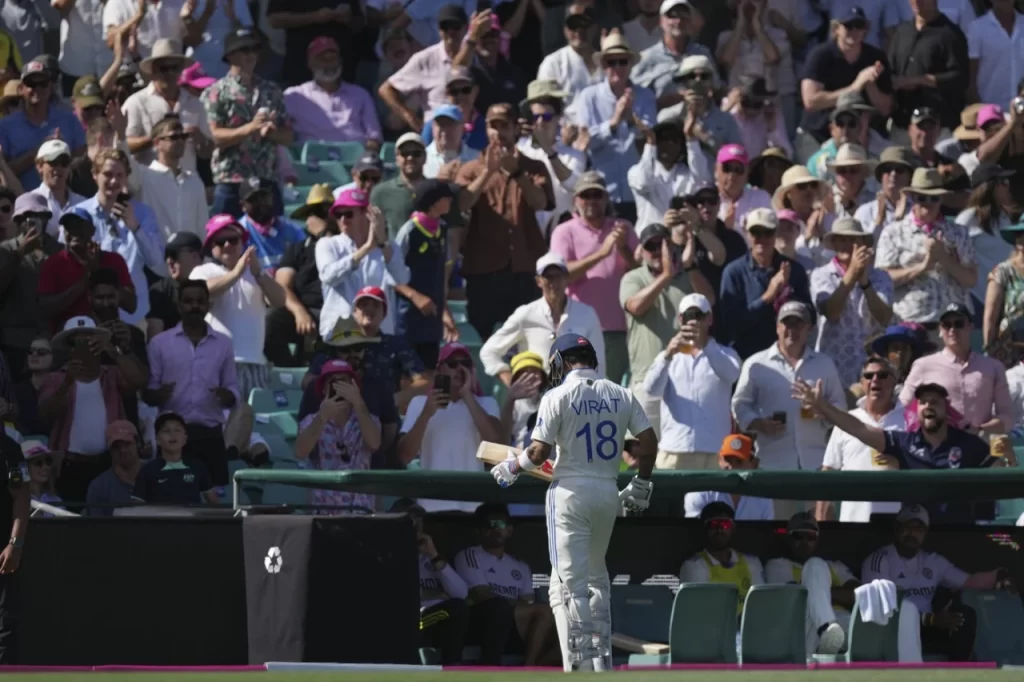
x=788, y=214
x=321, y=45
x=195, y=77
x=334, y=367
x=733, y=152
x=989, y=113
x=376, y=293
x=221, y=222
x=351, y=198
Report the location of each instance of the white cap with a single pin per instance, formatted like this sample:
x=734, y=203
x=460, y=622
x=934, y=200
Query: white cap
x=762, y=217
x=53, y=149
x=913, y=512
x=698, y=301
x=667, y=5
x=551, y=260
x=79, y=322
x=410, y=137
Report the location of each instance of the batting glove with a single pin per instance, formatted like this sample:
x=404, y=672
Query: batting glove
x=506, y=472
x=637, y=495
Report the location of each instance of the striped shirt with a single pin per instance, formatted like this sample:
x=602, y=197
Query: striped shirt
x=506, y=576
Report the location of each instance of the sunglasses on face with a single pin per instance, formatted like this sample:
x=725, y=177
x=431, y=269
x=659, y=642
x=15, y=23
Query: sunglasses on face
x=345, y=215
x=958, y=323
x=927, y=199
x=804, y=186
x=846, y=122
x=693, y=316
x=546, y=116
x=42, y=461
x=173, y=67
x=578, y=24
x=591, y=195
x=36, y=85
x=175, y=137
x=616, y=63
x=410, y=153
x=734, y=168
x=227, y=241
x=848, y=170
x=654, y=245
x=677, y=13
x=39, y=352
x=449, y=26
x=761, y=233
x=702, y=201
x=719, y=524
x=881, y=374
x=60, y=162
x=898, y=170
x=464, y=90
x=369, y=179
x=455, y=364
x=698, y=77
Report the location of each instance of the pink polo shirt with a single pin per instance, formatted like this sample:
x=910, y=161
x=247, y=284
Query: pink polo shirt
x=346, y=115
x=977, y=388
x=599, y=287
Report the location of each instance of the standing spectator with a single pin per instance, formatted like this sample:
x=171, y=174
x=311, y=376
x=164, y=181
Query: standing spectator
x=444, y=428
x=853, y=298
x=658, y=64
x=341, y=436
x=786, y=239
x=527, y=385
x=238, y=286
x=986, y=216
x=609, y=110
x=878, y=408
x=598, y=250
x=192, y=373
x=573, y=67
x=902, y=345
x=39, y=119
x=502, y=190
x=246, y=115
x=269, y=234
x=86, y=101
x=499, y=79
x=15, y=509
x=735, y=454
x=147, y=24
x=394, y=198
x=326, y=107
x=1004, y=301
x=396, y=48
x=693, y=379
x=167, y=478
x=305, y=22
x=99, y=135
x=163, y=96
x=755, y=288
x=789, y=436
x=644, y=30
x=976, y=383
x=930, y=260
x=360, y=256
x=673, y=164
x=461, y=90
x=893, y=172
x=995, y=44
x=448, y=144
x=113, y=488
x=929, y=62
x=207, y=27
x=755, y=110
x=737, y=199
x=24, y=25
x=38, y=363
x=53, y=161
x=533, y=327
x=698, y=79
x=183, y=254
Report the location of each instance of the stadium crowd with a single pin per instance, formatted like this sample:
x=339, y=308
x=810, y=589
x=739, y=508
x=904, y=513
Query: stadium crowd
x=770, y=217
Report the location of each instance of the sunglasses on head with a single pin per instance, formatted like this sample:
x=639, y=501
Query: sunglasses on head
x=761, y=233
x=616, y=62
x=546, y=116
x=734, y=168
x=227, y=241
x=881, y=374
x=456, y=363
x=41, y=461
x=724, y=523
x=410, y=153
x=39, y=352
x=706, y=200
x=958, y=323
x=464, y=90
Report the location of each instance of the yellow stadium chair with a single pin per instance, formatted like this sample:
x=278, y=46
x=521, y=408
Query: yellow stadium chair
x=772, y=626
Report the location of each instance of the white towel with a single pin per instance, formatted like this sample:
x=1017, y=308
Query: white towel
x=878, y=601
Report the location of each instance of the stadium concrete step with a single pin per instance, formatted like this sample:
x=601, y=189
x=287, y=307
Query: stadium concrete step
x=772, y=625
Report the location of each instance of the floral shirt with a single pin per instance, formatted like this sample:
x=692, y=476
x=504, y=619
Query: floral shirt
x=340, y=448
x=230, y=103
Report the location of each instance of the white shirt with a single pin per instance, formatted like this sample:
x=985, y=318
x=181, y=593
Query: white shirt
x=506, y=576
x=917, y=577
x=867, y=213
x=446, y=580
x=587, y=418
x=83, y=43
x=144, y=108
x=765, y=387
x=239, y=313
x=436, y=159
x=86, y=435
x=747, y=509
x=56, y=208
x=1000, y=57
x=638, y=37
x=449, y=442
x=341, y=278
x=654, y=186
x=1015, y=380
x=574, y=160
x=695, y=391
x=162, y=20
x=846, y=453
x=531, y=327
x=567, y=68
x=781, y=570
x=695, y=569
x=179, y=201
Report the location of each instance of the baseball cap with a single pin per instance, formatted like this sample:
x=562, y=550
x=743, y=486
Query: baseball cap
x=717, y=510
x=31, y=449
x=802, y=521
x=930, y=388
x=452, y=14
x=956, y=309
x=219, y=223
x=853, y=16
x=590, y=180
x=737, y=445
x=375, y=293
x=549, y=260
x=121, y=430
x=351, y=198
x=789, y=215
x=410, y=137
x=669, y=5
x=762, y=217
x=252, y=186
x=924, y=114
x=76, y=214
x=502, y=111
x=320, y=45
x=88, y=93
x=182, y=240
x=987, y=114
x=447, y=111
x=654, y=231
x=31, y=203
x=240, y=39
x=733, y=152
x=698, y=301
x=459, y=74
x=330, y=368
x=35, y=71
x=368, y=162
x=913, y=512
x=52, y=150
x=794, y=309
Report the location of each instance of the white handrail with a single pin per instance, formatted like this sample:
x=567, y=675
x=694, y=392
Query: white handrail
x=50, y=509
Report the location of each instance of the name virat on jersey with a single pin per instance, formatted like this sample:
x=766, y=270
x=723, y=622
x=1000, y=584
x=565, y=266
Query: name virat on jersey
x=596, y=406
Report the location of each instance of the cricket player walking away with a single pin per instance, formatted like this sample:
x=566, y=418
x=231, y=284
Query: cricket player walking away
x=586, y=418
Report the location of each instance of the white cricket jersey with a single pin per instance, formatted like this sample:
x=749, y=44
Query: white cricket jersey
x=434, y=582
x=507, y=576
x=917, y=577
x=587, y=418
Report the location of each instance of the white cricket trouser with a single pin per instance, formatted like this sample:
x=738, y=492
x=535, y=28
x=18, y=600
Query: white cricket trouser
x=581, y=513
x=817, y=579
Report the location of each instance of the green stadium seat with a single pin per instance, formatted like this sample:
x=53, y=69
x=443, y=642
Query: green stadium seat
x=458, y=311
x=414, y=465
x=772, y=626
x=287, y=423
x=309, y=174
x=278, y=494
x=468, y=335
x=871, y=642
x=1010, y=510
x=264, y=426
x=710, y=638
x=287, y=378
x=266, y=401
x=977, y=341
x=387, y=152
x=279, y=448
x=345, y=153
x=295, y=151
x=1000, y=635
x=642, y=611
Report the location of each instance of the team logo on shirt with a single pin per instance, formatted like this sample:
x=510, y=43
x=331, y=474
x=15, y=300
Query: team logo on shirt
x=188, y=478
x=927, y=573
x=955, y=455
x=516, y=575
x=735, y=444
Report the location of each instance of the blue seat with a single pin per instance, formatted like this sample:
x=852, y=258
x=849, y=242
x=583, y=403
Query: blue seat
x=266, y=401
x=345, y=153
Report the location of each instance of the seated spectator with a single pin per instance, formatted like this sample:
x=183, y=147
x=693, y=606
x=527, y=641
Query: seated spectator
x=240, y=291
x=696, y=79
x=767, y=168
x=53, y=161
x=502, y=613
x=755, y=288
x=830, y=585
x=39, y=361
x=851, y=188
x=718, y=562
x=500, y=80
x=902, y=345
x=895, y=166
x=756, y=111
x=41, y=463
x=737, y=199
x=879, y=408
x=192, y=374
x=183, y=254
x=853, y=298
x=948, y=627
x=326, y=107
x=692, y=379
x=115, y=486
x=268, y=233
x=735, y=454
x=445, y=427
x=1004, y=301
x=394, y=197
x=296, y=321
x=573, y=67
x=534, y=326
x=673, y=164
x=924, y=132
x=528, y=384
x=168, y=479
x=360, y=256
x=342, y=435
x=461, y=90
x=988, y=213
x=850, y=123
x=366, y=174
x=76, y=400
x=447, y=145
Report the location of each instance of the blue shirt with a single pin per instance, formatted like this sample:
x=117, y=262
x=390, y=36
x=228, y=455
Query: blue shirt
x=751, y=320
x=18, y=136
x=613, y=152
x=163, y=482
x=474, y=138
x=270, y=247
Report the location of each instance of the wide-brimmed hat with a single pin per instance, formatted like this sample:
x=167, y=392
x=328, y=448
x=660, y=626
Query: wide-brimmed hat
x=917, y=340
x=319, y=195
x=796, y=175
x=757, y=164
x=896, y=156
x=927, y=181
x=851, y=103
x=81, y=324
x=851, y=154
x=166, y=49
x=543, y=89
x=1010, y=232
x=968, y=129
x=615, y=44
x=590, y=180
x=847, y=227
x=240, y=39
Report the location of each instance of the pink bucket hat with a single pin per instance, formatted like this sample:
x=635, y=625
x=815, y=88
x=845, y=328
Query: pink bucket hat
x=195, y=77
x=989, y=113
x=350, y=198
x=733, y=152
x=222, y=222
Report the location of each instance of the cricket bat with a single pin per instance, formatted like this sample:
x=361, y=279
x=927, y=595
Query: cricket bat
x=496, y=453
x=638, y=646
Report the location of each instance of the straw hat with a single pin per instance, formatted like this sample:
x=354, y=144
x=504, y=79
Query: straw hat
x=797, y=175
x=851, y=154
x=615, y=44
x=11, y=91
x=319, y=195
x=165, y=49
x=926, y=181
x=968, y=129
x=847, y=227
